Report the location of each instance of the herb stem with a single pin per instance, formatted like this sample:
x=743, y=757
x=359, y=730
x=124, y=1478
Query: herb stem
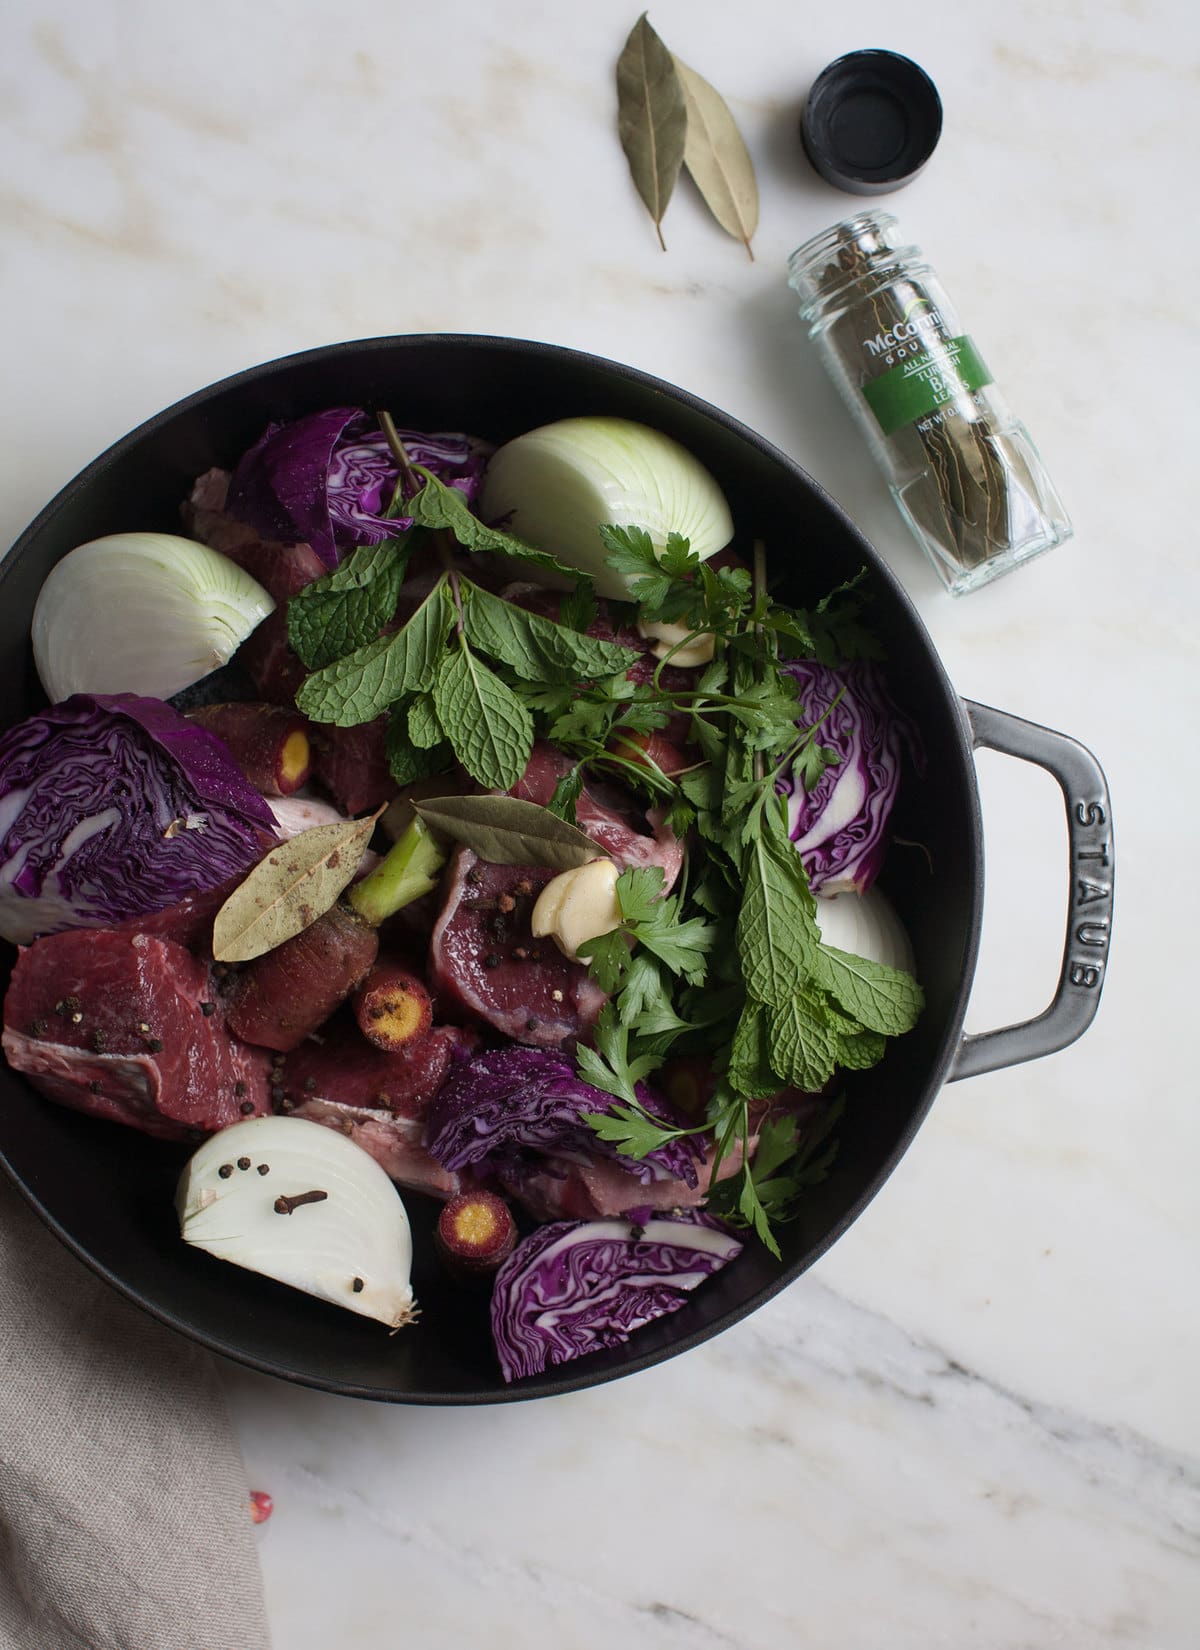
x=456, y=596
x=684, y=641
x=760, y=590
x=408, y=477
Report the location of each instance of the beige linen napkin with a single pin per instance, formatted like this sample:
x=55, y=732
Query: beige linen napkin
x=124, y=1515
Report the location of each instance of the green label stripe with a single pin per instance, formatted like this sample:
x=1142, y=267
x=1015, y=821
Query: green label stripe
x=949, y=367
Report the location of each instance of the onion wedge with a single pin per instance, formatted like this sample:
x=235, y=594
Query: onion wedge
x=865, y=925
x=305, y=1206
x=556, y=485
x=144, y=613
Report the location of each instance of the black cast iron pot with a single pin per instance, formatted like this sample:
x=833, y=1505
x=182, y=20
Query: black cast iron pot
x=107, y=1191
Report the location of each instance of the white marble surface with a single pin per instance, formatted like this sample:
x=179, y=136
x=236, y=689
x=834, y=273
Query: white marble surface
x=975, y=1423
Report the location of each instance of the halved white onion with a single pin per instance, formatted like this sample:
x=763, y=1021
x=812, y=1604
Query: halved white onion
x=246, y=1196
x=558, y=484
x=146, y=613
x=865, y=925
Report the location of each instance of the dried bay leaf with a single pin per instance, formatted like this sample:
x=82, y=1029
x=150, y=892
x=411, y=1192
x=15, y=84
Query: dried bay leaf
x=651, y=118
x=504, y=830
x=294, y=885
x=717, y=158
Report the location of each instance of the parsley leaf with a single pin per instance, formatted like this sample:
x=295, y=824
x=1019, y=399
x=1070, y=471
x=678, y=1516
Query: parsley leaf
x=566, y=794
x=638, y=890
x=607, y=957
x=633, y=1131
x=631, y=553
x=610, y=1066
x=683, y=946
x=578, y=609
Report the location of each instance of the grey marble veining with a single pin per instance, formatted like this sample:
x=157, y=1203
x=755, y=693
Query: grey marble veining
x=974, y=1426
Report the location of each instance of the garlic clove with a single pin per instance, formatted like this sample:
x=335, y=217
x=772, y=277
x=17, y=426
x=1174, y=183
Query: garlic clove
x=666, y=636
x=577, y=906
x=301, y=1204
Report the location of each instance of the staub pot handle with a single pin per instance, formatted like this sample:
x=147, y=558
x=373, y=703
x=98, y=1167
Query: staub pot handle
x=1090, y=903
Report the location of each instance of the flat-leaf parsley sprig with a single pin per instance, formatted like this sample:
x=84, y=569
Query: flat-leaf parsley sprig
x=792, y=1011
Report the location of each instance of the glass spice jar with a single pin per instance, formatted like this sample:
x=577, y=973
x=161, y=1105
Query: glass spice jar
x=966, y=476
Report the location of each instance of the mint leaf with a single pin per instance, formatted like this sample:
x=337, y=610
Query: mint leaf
x=802, y=1041
x=537, y=649
x=361, y=686
x=348, y=608
x=407, y=762
x=882, y=999
x=424, y=729
x=441, y=507
x=488, y=726
x=777, y=933
x=750, y=1071
x=862, y=1050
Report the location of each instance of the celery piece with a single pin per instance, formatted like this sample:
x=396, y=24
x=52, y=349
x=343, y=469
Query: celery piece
x=408, y=870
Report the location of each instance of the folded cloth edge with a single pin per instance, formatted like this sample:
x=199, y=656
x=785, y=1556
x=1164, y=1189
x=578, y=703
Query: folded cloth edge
x=124, y=1507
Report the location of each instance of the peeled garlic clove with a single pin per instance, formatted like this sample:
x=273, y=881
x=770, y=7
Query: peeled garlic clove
x=577, y=906
x=305, y=1206
x=666, y=636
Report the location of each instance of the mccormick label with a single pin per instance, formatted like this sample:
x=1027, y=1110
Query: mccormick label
x=937, y=371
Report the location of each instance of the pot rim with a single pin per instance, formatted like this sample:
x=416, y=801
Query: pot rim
x=550, y=1384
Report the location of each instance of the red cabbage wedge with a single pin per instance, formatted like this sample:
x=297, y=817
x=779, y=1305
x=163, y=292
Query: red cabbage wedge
x=840, y=823
x=327, y=480
x=576, y=1286
x=114, y=806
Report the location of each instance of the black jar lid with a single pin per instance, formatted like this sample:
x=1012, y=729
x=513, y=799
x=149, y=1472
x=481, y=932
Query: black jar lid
x=871, y=121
